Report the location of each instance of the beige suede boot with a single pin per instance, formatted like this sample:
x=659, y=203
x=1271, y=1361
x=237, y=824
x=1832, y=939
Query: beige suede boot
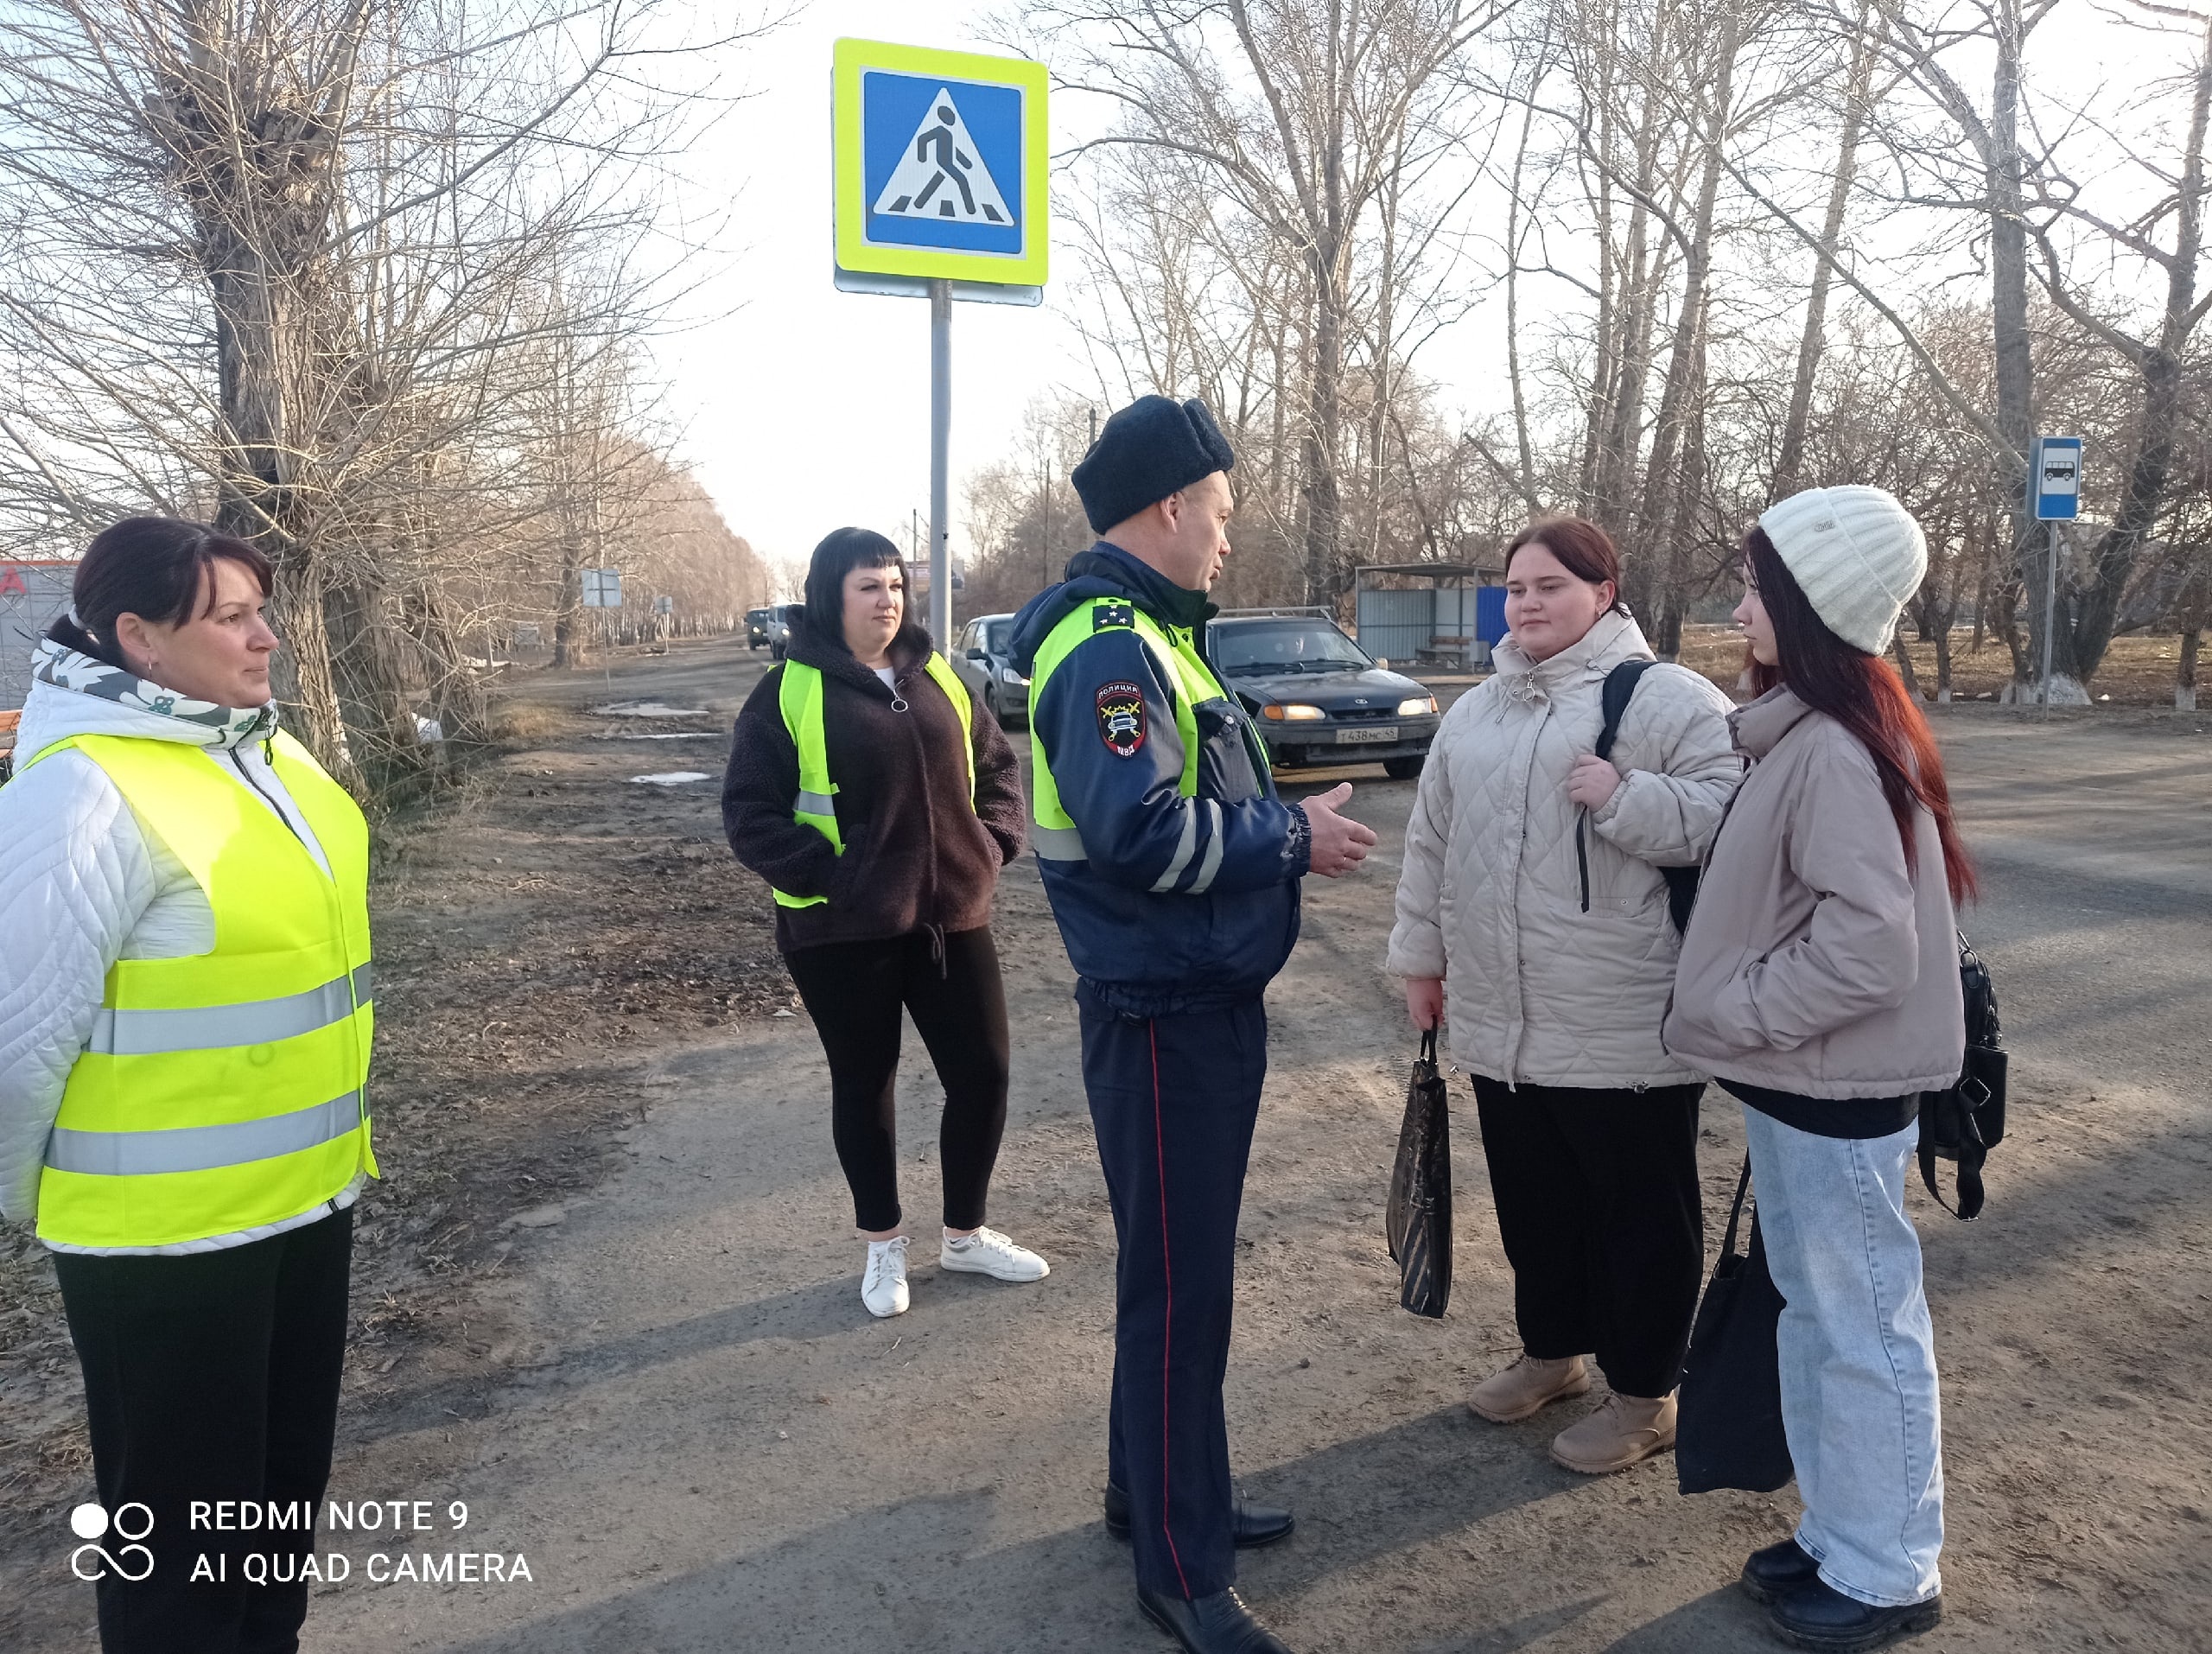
x=1623, y=1431
x=1527, y=1387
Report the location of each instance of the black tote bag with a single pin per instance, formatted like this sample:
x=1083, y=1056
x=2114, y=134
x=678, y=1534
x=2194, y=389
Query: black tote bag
x=1417, y=1221
x=1728, y=1418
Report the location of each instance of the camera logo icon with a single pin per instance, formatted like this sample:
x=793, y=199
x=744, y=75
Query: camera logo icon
x=130, y=1523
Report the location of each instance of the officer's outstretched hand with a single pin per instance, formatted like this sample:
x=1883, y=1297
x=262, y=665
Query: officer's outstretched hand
x=1339, y=843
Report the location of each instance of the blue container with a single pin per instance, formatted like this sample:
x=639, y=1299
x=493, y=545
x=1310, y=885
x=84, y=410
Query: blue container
x=1490, y=614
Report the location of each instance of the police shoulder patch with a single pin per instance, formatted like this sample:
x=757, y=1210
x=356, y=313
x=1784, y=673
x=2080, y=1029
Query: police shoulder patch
x=1109, y=615
x=1121, y=718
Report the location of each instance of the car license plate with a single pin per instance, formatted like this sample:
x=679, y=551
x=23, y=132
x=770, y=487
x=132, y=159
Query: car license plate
x=1348, y=737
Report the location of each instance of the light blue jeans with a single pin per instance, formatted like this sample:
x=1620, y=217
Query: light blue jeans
x=1858, y=1400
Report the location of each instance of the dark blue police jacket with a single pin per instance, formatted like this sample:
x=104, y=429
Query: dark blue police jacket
x=1147, y=944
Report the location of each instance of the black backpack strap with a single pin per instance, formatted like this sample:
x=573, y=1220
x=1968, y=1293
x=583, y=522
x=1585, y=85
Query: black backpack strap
x=1612, y=703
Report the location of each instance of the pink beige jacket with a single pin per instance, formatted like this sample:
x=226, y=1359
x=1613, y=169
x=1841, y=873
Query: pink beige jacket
x=1815, y=963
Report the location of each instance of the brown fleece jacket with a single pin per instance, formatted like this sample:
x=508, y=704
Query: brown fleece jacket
x=916, y=856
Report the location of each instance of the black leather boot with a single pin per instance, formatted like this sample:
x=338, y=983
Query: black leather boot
x=1776, y=1571
x=1254, y=1524
x=1818, y=1616
x=1220, y=1624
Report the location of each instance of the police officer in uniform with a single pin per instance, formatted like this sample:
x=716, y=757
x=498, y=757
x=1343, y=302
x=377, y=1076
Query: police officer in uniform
x=1173, y=870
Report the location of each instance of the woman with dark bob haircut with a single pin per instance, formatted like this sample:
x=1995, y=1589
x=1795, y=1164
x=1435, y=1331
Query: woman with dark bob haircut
x=1533, y=903
x=880, y=805
x=185, y=1025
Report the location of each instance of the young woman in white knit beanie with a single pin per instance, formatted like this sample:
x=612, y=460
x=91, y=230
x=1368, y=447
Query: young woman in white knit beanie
x=1818, y=984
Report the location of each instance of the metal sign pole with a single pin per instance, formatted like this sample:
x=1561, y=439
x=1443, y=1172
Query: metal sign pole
x=2050, y=611
x=940, y=456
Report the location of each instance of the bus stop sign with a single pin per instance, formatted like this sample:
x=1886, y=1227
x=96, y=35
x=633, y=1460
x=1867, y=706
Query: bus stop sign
x=2058, y=479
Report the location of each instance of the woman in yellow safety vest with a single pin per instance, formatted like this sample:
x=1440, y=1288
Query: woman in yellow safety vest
x=880, y=805
x=184, y=1035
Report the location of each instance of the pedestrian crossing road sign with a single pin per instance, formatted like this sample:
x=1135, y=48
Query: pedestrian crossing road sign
x=940, y=165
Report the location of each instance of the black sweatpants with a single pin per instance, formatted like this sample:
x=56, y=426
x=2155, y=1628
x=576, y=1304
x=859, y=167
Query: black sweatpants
x=209, y=1375
x=855, y=992
x=1599, y=1206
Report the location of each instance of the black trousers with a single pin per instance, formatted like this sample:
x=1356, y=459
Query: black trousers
x=210, y=1376
x=855, y=991
x=1599, y=1206
x=1173, y=1100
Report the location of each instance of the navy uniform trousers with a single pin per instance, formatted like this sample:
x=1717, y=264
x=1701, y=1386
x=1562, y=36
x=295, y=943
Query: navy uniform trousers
x=1173, y=1100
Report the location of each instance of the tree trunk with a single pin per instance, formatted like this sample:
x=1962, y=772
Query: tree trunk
x=2185, y=672
x=2159, y=369
x=1905, y=668
x=2008, y=274
x=1791, y=459
x=1665, y=534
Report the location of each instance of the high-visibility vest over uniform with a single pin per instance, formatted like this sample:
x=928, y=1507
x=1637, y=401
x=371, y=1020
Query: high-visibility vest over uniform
x=1053, y=831
x=798, y=697
x=1171, y=865
x=224, y=1091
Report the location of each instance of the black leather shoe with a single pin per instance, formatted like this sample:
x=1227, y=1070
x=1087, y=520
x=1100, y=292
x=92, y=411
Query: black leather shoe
x=1776, y=1571
x=1254, y=1524
x=1818, y=1616
x=1220, y=1624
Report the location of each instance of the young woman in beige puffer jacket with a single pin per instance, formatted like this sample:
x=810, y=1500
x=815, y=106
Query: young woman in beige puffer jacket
x=1556, y=992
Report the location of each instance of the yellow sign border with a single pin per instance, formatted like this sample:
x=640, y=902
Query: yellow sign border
x=851, y=59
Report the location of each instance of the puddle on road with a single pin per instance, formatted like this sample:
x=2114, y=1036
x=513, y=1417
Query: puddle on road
x=670, y=778
x=654, y=734
x=646, y=710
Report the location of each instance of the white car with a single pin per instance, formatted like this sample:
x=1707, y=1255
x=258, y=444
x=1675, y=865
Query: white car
x=980, y=655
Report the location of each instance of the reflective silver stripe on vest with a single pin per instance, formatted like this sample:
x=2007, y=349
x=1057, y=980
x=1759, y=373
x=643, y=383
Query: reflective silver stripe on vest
x=816, y=803
x=201, y=1148
x=1211, y=864
x=1183, y=849
x=217, y=1028
x=1056, y=843
x=257, y=1022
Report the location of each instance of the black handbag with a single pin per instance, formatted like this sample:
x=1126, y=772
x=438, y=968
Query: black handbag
x=1417, y=1221
x=1964, y=1122
x=1728, y=1418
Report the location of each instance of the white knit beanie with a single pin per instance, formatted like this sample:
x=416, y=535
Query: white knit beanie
x=1858, y=555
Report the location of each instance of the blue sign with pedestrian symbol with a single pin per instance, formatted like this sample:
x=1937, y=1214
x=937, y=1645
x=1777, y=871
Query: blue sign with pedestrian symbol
x=940, y=163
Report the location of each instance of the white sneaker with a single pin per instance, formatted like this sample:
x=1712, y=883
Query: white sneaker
x=883, y=1288
x=988, y=1252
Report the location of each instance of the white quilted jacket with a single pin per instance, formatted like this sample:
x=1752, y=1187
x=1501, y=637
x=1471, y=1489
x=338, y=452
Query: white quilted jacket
x=84, y=882
x=1536, y=990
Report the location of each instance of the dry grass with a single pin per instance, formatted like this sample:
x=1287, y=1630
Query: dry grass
x=2136, y=672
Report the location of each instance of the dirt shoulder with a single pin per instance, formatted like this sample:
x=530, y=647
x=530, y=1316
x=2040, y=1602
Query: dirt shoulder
x=670, y=1401
x=535, y=930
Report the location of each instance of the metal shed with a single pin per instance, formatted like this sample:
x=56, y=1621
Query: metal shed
x=1441, y=613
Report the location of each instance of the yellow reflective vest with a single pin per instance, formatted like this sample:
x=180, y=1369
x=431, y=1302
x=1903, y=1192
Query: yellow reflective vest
x=1053, y=831
x=798, y=697
x=223, y=1091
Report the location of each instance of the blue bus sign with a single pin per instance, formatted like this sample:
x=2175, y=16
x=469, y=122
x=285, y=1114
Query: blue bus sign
x=2055, y=481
